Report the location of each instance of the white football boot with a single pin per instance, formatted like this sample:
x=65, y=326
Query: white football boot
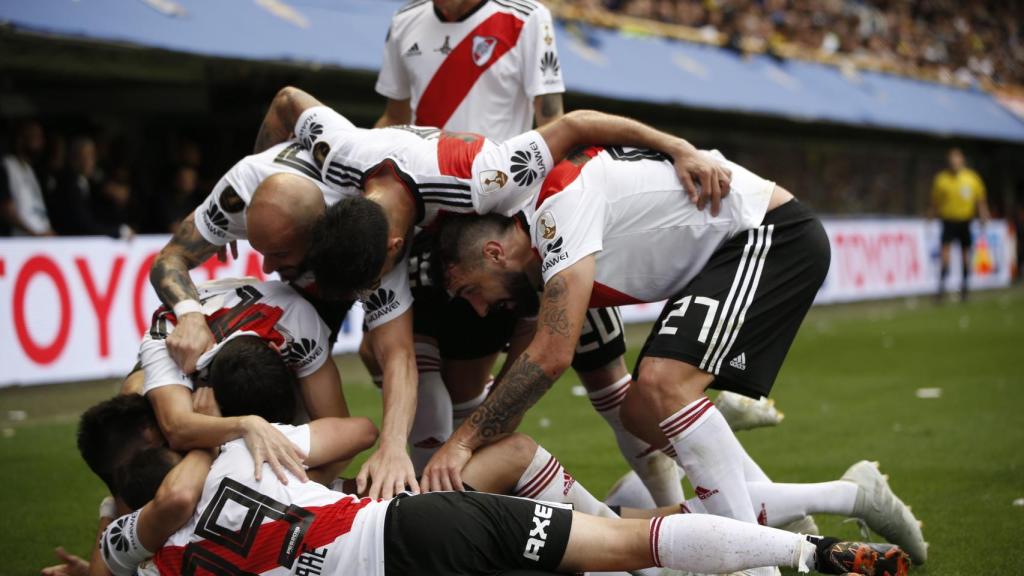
x=884, y=512
x=743, y=413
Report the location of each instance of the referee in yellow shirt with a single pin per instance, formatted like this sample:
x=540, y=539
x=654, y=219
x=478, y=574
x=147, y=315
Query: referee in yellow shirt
x=958, y=196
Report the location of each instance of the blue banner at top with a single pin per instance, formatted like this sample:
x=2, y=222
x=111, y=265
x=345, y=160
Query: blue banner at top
x=350, y=34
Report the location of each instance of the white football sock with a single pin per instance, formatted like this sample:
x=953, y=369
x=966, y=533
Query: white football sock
x=779, y=504
x=656, y=471
x=715, y=545
x=712, y=457
x=546, y=479
x=462, y=410
x=433, y=422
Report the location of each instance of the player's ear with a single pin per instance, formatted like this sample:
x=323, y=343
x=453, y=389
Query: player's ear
x=395, y=245
x=494, y=252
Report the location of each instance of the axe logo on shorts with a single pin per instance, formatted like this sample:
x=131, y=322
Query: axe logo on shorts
x=538, y=534
x=483, y=49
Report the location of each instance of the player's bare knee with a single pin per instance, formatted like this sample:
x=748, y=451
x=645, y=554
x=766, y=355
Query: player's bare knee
x=600, y=378
x=519, y=449
x=671, y=383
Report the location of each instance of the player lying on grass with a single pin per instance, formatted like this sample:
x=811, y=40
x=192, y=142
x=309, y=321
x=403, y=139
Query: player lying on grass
x=209, y=513
x=410, y=174
x=608, y=228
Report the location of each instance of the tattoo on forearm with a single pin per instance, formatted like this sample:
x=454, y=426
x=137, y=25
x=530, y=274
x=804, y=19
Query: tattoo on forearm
x=186, y=250
x=553, y=315
x=524, y=384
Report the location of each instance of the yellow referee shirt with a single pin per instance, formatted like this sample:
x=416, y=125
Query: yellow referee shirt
x=956, y=195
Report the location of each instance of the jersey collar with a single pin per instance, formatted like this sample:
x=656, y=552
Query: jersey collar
x=465, y=16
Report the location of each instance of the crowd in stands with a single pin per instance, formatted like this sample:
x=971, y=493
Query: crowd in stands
x=57, y=184
x=966, y=43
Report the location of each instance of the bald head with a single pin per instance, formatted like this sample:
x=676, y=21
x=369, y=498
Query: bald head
x=279, y=221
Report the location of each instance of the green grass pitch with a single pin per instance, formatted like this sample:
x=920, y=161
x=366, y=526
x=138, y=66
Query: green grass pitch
x=848, y=390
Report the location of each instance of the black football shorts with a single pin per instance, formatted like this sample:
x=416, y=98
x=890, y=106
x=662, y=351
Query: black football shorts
x=472, y=533
x=739, y=316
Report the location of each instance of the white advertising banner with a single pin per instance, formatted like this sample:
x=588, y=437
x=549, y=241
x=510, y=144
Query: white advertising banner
x=76, y=308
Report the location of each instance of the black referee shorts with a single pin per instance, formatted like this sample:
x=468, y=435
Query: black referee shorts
x=957, y=231
x=473, y=534
x=738, y=317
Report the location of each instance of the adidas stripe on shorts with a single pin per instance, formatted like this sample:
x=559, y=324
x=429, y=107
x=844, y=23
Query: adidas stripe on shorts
x=738, y=317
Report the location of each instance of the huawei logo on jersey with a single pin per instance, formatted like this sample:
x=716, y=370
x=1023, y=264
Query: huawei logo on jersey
x=522, y=169
x=380, y=303
x=301, y=353
x=555, y=247
x=483, y=49
x=216, y=219
x=553, y=254
x=315, y=131
x=549, y=64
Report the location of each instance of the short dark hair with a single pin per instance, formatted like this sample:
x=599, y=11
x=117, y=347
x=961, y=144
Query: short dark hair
x=109, y=432
x=250, y=377
x=458, y=240
x=139, y=477
x=348, y=248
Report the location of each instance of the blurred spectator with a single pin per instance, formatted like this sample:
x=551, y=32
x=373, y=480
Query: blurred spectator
x=961, y=42
x=184, y=195
x=958, y=196
x=77, y=196
x=54, y=164
x=21, y=201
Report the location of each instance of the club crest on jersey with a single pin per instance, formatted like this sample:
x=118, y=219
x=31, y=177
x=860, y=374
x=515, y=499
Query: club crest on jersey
x=483, y=49
x=547, y=225
x=492, y=181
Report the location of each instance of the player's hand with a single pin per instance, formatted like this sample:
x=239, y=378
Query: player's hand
x=444, y=471
x=387, y=473
x=205, y=402
x=70, y=565
x=699, y=168
x=268, y=444
x=189, y=340
x=222, y=254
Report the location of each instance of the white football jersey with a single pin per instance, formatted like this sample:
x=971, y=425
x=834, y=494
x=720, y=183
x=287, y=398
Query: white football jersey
x=627, y=207
x=444, y=172
x=221, y=217
x=244, y=526
x=479, y=74
x=272, y=310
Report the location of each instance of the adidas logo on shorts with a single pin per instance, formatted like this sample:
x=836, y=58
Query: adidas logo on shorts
x=739, y=362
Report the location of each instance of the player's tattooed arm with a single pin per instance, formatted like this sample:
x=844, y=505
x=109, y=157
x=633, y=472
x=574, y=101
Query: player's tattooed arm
x=186, y=250
x=559, y=322
x=284, y=111
x=547, y=108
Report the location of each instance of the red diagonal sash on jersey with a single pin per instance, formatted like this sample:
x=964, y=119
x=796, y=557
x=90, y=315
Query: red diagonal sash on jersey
x=565, y=172
x=602, y=296
x=331, y=522
x=459, y=72
x=456, y=152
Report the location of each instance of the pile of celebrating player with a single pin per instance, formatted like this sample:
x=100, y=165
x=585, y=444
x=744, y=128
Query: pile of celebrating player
x=222, y=454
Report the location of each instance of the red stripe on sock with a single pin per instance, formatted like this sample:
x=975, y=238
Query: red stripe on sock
x=610, y=401
x=545, y=481
x=529, y=486
x=679, y=423
x=655, y=537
